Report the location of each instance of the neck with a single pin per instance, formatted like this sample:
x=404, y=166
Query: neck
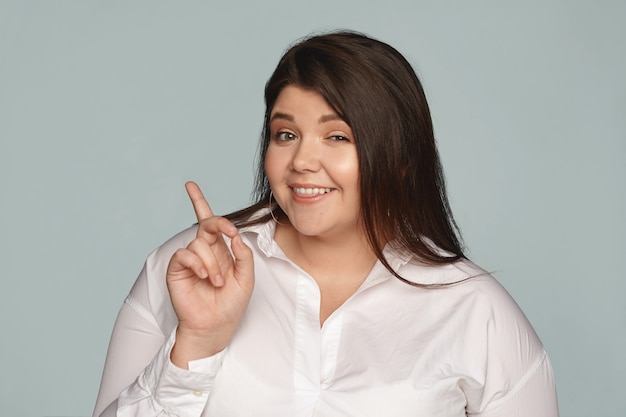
x=338, y=264
x=348, y=255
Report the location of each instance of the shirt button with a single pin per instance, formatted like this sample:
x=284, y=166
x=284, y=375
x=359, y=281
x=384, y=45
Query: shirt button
x=198, y=393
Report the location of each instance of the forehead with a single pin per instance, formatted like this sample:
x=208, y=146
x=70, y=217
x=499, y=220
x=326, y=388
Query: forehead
x=294, y=100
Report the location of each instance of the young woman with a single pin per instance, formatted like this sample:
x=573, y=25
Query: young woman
x=344, y=290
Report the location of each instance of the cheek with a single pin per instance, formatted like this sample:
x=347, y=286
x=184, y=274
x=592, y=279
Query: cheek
x=272, y=165
x=347, y=168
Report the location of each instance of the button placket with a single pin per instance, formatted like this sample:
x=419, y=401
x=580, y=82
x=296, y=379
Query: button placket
x=307, y=334
x=330, y=337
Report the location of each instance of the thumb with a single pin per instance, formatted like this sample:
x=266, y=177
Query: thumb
x=244, y=261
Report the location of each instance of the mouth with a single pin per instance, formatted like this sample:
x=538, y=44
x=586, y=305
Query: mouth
x=310, y=191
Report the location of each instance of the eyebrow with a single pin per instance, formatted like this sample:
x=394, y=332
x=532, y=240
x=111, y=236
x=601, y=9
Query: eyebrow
x=325, y=118
x=279, y=115
x=330, y=118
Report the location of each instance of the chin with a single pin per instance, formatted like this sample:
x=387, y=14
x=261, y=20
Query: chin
x=307, y=229
x=317, y=230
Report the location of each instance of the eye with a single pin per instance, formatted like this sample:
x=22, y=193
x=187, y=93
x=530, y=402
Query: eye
x=339, y=138
x=284, y=136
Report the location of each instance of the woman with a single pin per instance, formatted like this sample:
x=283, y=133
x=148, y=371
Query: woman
x=344, y=290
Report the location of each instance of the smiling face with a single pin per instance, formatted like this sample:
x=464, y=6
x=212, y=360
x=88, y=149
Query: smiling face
x=312, y=165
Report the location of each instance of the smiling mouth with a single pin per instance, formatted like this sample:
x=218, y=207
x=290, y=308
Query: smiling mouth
x=311, y=191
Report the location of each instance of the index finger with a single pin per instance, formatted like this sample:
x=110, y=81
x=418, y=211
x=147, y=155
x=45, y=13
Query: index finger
x=200, y=205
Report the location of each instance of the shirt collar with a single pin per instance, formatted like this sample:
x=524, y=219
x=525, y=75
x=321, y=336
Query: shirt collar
x=264, y=235
x=402, y=261
x=265, y=241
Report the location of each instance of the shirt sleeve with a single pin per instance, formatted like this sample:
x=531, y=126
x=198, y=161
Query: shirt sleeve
x=515, y=377
x=163, y=389
x=534, y=395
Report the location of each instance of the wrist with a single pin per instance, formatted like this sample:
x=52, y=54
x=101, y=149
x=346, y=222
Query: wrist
x=192, y=345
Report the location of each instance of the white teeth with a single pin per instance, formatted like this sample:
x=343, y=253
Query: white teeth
x=311, y=191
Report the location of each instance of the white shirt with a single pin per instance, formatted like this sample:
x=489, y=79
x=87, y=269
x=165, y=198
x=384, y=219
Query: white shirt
x=389, y=350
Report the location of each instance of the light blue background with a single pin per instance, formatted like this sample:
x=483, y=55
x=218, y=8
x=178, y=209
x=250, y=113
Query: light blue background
x=106, y=108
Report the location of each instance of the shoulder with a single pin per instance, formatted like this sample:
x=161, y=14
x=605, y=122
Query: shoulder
x=149, y=295
x=485, y=303
x=416, y=271
x=163, y=253
x=158, y=260
x=495, y=333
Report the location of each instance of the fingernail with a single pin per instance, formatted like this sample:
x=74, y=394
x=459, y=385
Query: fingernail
x=219, y=281
x=204, y=273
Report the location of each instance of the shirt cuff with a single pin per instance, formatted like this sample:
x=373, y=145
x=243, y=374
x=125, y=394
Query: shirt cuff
x=179, y=391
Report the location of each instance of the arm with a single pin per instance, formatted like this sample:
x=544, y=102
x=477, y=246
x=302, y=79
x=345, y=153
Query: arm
x=516, y=378
x=134, y=342
x=208, y=290
x=138, y=355
x=534, y=395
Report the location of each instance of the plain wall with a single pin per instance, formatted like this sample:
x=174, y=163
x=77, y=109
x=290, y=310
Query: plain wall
x=107, y=108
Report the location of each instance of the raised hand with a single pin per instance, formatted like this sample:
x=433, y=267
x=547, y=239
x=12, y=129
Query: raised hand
x=210, y=289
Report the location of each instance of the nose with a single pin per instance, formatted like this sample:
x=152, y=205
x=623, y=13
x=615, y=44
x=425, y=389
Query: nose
x=307, y=155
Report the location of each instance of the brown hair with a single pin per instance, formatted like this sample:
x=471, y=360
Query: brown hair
x=377, y=93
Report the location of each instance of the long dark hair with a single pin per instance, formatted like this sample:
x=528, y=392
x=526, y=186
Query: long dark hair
x=377, y=93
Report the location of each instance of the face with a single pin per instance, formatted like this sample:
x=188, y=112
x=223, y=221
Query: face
x=312, y=165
